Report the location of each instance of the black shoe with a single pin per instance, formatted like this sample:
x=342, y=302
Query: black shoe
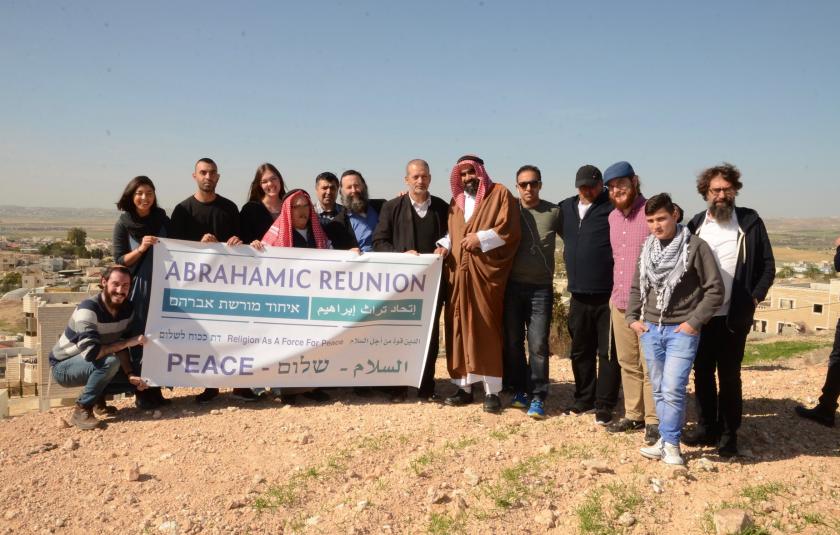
x=728, y=447
x=460, y=398
x=698, y=437
x=624, y=425
x=651, y=434
x=816, y=414
x=492, y=404
x=578, y=409
x=207, y=396
x=144, y=401
x=317, y=395
x=603, y=416
x=244, y=394
x=156, y=394
x=428, y=396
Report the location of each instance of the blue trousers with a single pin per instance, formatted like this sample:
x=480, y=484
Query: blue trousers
x=102, y=376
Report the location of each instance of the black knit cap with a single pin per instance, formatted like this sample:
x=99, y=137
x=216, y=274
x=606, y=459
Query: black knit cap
x=588, y=175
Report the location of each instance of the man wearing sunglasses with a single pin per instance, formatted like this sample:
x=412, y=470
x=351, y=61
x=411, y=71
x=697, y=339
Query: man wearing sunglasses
x=529, y=296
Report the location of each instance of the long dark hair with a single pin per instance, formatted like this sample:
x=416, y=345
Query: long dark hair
x=256, y=193
x=126, y=202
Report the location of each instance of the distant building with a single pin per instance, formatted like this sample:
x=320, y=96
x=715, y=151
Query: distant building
x=46, y=316
x=52, y=263
x=799, y=307
x=32, y=279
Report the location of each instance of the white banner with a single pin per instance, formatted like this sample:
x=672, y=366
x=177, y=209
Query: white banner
x=232, y=316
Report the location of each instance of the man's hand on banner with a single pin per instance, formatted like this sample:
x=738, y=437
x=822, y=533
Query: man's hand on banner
x=258, y=245
x=412, y=251
x=209, y=238
x=442, y=251
x=234, y=241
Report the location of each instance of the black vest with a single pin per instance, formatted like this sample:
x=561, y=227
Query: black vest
x=425, y=231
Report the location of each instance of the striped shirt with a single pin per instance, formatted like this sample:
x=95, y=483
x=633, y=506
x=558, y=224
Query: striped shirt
x=90, y=327
x=627, y=235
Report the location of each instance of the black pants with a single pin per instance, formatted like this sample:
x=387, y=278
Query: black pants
x=591, y=330
x=719, y=406
x=831, y=389
x=427, y=384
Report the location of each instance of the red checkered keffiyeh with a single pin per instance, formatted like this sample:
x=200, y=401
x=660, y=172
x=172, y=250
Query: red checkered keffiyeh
x=280, y=232
x=484, y=181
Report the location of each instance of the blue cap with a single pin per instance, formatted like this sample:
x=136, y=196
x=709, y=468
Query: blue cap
x=618, y=170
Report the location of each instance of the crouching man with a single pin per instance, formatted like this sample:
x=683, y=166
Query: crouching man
x=92, y=351
x=676, y=290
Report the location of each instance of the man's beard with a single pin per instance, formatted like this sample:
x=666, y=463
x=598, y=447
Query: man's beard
x=722, y=211
x=355, y=202
x=627, y=203
x=471, y=187
x=109, y=302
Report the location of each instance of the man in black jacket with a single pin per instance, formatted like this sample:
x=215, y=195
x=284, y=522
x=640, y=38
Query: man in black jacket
x=742, y=249
x=824, y=411
x=589, y=266
x=353, y=227
x=413, y=223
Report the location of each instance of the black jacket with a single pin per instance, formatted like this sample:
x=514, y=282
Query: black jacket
x=586, y=245
x=754, y=271
x=340, y=231
x=395, y=231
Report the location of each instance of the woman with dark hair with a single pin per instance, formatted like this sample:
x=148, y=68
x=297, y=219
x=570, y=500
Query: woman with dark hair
x=265, y=198
x=135, y=233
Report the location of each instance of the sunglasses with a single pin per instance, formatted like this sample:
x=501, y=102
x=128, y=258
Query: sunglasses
x=529, y=184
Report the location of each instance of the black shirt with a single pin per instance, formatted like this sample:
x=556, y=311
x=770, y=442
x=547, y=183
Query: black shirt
x=254, y=220
x=192, y=219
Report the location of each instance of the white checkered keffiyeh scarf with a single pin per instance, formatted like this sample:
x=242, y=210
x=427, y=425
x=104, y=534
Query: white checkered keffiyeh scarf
x=662, y=269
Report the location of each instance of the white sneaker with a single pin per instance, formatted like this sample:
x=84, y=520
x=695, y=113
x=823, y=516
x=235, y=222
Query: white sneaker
x=653, y=452
x=671, y=454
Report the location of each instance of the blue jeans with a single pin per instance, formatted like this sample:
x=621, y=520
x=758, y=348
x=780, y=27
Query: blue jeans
x=102, y=376
x=527, y=308
x=669, y=356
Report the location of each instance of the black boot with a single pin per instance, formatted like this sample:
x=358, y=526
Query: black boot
x=818, y=414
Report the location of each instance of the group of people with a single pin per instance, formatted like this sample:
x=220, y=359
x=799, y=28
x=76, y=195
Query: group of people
x=651, y=298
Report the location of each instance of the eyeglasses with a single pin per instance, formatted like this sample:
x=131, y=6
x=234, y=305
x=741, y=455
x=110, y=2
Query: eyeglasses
x=530, y=184
x=718, y=191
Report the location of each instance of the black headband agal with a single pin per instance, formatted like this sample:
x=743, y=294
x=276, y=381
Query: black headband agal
x=471, y=158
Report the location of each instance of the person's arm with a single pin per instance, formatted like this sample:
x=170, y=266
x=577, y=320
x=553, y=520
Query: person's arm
x=768, y=264
x=506, y=230
x=634, y=315
x=711, y=283
x=120, y=245
x=178, y=223
x=560, y=222
x=383, y=234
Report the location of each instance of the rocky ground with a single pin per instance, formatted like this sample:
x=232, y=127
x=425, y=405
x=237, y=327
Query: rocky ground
x=357, y=465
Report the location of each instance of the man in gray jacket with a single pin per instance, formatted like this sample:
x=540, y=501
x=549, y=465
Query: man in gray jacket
x=676, y=289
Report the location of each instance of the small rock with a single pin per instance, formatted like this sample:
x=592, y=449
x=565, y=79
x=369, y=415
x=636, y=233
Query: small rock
x=10, y=514
x=471, y=478
x=257, y=479
x=361, y=506
x=679, y=472
x=304, y=438
x=235, y=504
x=596, y=466
x=169, y=526
x=768, y=508
x=157, y=415
x=546, y=518
x=657, y=486
x=165, y=456
x=133, y=473
x=215, y=411
x=313, y=520
x=70, y=445
x=63, y=424
x=731, y=521
x=438, y=496
x=626, y=519
x=705, y=464
x=232, y=409
x=459, y=504
x=547, y=449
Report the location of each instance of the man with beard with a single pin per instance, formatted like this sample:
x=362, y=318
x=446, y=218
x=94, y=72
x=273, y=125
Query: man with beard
x=529, y=296
x=208, y=217
x=628, y=232
x=93, y=350
x=353, y=227
x=589, y=265
x=326, y=191
x=483, y=236
x=412, y=224
x=744, y=256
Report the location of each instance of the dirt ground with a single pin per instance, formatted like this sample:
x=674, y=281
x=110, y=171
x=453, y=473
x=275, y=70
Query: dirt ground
x=355, y=465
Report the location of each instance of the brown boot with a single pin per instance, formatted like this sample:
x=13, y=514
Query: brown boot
x=83, y=418
x=100, y=408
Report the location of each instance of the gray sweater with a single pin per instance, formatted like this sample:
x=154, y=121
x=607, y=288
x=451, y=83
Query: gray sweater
x=696, y=297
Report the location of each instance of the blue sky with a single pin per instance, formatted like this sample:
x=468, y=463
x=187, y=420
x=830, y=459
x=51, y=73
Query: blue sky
x=94, y=93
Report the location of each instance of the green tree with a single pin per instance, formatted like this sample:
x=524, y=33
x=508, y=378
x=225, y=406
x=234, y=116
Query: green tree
x=785, y=272
x=76, y=236
x=10, y=281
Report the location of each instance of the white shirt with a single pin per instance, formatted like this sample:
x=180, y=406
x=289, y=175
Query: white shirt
x=422, y=208
x=583, y=208
x=723, y=239
x=488, y=239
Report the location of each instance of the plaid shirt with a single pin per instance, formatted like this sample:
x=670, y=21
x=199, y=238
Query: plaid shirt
x=627, y=235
